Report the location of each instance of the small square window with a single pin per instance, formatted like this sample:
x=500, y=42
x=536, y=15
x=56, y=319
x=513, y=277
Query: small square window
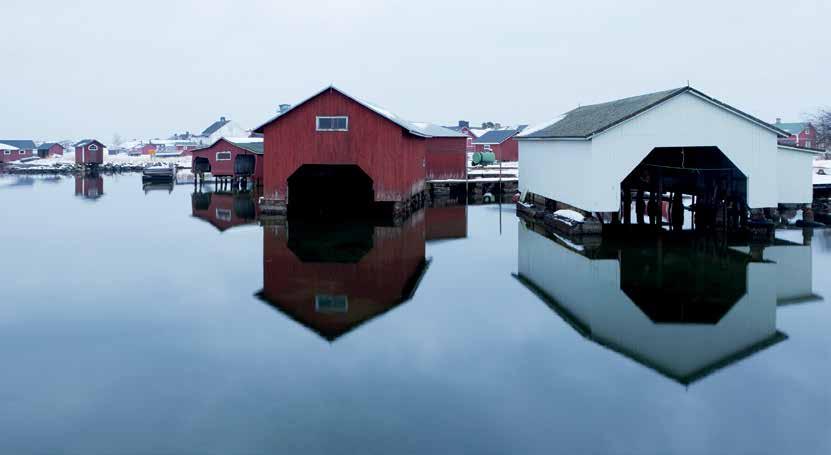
x=331, y=303
x=223, y=156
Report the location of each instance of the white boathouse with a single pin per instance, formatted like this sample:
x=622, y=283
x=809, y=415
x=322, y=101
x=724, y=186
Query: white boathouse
x=594, y=158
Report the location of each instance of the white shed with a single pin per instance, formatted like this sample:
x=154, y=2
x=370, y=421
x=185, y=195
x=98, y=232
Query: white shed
x=587, y=157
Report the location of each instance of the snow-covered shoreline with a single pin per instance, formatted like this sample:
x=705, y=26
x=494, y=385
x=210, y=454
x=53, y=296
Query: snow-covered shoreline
x=112, y=164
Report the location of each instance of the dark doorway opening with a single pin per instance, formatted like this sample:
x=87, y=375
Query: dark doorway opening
x=201, y=165
x=329, y=190
x=683, y=188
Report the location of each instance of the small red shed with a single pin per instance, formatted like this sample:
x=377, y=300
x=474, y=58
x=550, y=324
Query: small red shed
x=446, y=152
x=355, y=275
x=335, y=149
x=15, y=149
x=501, y=142
x=89, y=152
x=231, y=157
x=50, y=149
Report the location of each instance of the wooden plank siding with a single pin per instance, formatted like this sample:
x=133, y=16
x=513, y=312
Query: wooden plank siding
x=392, y=157
x=225, y=168
x=446, y=157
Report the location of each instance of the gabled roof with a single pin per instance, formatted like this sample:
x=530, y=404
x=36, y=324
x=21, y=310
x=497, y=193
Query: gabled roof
x=47, y=145
x=792, y=128
x=495, y=136
x=252, y=144
x=215, y=126
x=586, y=121
x=19, y=143
x=437, y=131
x=85, y=142
x=408, y=126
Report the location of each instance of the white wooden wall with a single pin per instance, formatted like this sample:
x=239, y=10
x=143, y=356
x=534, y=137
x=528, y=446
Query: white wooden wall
x=587, y=174
x=793, y=169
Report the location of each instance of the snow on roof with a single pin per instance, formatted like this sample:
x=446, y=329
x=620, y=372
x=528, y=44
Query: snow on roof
x=4, y=146
x=434, y=130
x=407, y=125
x=478, y=132
x=244, y=140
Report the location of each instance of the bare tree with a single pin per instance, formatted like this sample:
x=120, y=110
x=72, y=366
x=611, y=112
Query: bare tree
x=117, y=140
x=822, y=122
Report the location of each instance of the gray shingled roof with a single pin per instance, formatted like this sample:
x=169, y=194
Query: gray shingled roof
x=47, y=145
x=19, y=143
x=215, y=126
x=793, y=128
x=495, y=136
x=586, y=121
x=254, y=147
x=433, y=130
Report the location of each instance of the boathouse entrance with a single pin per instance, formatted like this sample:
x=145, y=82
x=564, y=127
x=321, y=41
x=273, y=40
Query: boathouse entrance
x=330, y=190
x=685, y=187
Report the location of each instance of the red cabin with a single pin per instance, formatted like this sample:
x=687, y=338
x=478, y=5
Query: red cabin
x=333, y=149
x=89, y=152
x=225, y=210
x=446, y=152
x=15, y=149
x=50, y=149
x=501, y=143
x=332, y=279
x=231, y=157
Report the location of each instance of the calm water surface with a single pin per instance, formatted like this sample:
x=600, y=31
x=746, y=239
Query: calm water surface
x=158, y=322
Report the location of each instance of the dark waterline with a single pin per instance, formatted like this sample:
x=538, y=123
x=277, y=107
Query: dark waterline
x=136, y=320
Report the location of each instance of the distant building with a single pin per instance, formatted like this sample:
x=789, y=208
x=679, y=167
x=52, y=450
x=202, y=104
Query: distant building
x=464, y=128
x=221, y=128
x=89, y=152
x=49, y=149
x=231, y=157
x=802, y=134
x=501, y=143
x=16, y=149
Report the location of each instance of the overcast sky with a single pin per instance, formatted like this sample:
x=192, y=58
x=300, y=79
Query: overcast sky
x=151, y=68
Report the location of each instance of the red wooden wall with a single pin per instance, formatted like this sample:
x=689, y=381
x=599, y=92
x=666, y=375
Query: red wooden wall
x=446, y=157
x=83, y=155
x=372, y=286
x=225, y=168
x=393, y=158
x=14, y=155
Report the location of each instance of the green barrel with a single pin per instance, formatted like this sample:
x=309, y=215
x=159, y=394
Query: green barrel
x=488, y=158
x=477, y=158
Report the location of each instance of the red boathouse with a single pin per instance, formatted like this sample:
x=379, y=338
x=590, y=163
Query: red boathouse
x=231, y=157
x=15, y=149
x=50, y=149
x=89, y=152
x=334, y=150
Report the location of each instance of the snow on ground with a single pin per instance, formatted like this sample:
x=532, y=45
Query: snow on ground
x=68, y=159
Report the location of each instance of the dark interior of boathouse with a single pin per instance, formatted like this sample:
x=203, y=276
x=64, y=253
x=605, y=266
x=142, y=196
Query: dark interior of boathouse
x=330, y=190
x=699, y=184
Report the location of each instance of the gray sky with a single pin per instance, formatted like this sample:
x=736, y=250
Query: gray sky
x=151, y=68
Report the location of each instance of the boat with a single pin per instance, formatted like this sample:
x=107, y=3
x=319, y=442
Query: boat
x=160, y=172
